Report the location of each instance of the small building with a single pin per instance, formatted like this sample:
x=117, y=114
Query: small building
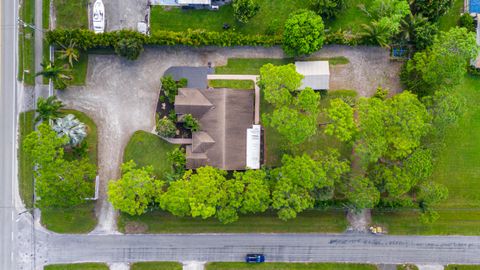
x=316, y=74
x=225, y=116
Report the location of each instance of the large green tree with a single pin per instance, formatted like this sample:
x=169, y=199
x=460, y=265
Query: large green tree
x=295, y=112
x=256, y=191
x=442, y=65
x=303, y=33
x=392, y=128
x=135, y=190
x=59, y=183
x=301, y=180
x=197, y=194
x=342, y=124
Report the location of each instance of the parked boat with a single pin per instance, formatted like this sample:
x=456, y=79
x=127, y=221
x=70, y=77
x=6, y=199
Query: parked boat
x=98, y=17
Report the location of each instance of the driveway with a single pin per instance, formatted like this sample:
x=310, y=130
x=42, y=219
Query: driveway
x=121, y=95
x=369, y=68
x=124, y=14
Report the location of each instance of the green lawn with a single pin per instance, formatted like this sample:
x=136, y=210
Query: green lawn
x=156, y=266
x=288, y=266
x=457, y=168
x=71, y=14
x=25, y=171
x=26, y=40
x=270, y=18
x=79, y=69
x=78, y=219
x=233, y=84
x=148, y=149
x=308, y=221
x=77, y=266
x=251, y=66
x=450, y=19
x=462, y=267
x=350, y=19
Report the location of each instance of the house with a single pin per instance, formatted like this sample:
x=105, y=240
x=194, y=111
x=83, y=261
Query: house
x=225, y=117
x=316, y=74
x=181, y=2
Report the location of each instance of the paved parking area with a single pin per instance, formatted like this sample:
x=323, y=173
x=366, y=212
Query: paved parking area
x=121, y=95
x=124, y=14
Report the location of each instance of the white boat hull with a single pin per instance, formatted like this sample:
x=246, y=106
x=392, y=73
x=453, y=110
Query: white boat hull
x=98, y=17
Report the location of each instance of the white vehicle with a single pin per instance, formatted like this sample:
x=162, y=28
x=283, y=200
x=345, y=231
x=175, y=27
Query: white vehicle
x=98, y=17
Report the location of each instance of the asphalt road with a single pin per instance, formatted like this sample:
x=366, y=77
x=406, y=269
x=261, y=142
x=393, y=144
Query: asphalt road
x=276, y=247
x=7, y=132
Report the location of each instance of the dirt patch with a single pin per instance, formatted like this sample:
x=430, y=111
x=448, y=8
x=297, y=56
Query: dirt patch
x=132, y=227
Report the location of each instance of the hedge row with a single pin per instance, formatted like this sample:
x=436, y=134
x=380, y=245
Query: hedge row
x=87, y=39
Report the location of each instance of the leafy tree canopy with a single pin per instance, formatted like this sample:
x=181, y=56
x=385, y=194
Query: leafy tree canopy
x=135, y=190
x=443, y=65
x=303, y=33
x=295, y=112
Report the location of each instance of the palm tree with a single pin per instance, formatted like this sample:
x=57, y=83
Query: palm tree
x=71, y=127
x=48, y=108
x=57, y=74
x=408, y=26
x=70, y=52
x=375, y=34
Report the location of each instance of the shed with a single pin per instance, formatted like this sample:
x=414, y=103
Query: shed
x=316, y=74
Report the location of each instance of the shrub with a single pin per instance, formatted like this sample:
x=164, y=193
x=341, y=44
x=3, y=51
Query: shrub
x=327, y=8
x=166, y=127
x=178, y=159
x=468, y=22
x=303, y=33
x=183, y=82
x=169, y=87
x=130, y=48
x=244, y=10
x=191, y=123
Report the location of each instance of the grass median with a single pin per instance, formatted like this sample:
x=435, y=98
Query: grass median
x=156, y=266
x=288, y=266
x=25, y=171
x=306, y=222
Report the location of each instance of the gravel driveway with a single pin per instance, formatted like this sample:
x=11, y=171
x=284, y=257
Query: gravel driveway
x=121, y=95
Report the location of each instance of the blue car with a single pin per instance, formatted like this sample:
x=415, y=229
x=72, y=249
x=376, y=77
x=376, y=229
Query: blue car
x=255, y=258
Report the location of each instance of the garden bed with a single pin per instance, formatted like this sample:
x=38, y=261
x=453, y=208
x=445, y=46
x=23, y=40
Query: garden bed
x=164, y=109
